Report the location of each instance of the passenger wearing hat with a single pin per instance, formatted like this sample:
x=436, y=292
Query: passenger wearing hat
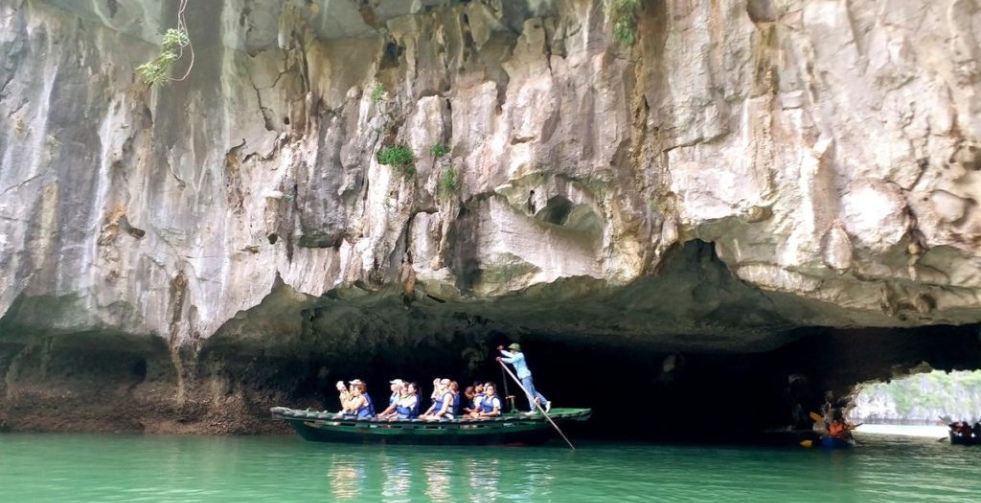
x=408, y=407
x=517, y=359
x=393, y=401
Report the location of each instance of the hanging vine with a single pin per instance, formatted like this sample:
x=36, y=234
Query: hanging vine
x=175, y=40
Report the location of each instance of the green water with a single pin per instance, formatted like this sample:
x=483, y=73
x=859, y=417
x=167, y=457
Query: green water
x=92, y=468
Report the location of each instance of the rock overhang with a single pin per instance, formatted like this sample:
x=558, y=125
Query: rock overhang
x=823, y=232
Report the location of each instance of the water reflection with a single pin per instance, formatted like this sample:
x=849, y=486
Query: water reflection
x=397, y=482
x=347, y=476
x=483, y=476
x=404, y=475
x=167, y=469
x=438, y=480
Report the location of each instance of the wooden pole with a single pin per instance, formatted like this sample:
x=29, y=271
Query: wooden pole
x=532, y=400
x=507, y=394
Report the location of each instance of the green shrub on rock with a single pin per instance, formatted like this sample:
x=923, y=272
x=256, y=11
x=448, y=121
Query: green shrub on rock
x=398, y=157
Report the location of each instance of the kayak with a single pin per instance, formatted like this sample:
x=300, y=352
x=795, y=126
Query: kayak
x=829, y=442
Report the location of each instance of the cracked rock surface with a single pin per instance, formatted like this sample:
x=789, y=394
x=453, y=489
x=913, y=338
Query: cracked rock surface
x=748, y=167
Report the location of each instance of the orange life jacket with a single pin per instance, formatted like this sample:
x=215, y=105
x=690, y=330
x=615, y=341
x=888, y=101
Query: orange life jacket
x=836, y=429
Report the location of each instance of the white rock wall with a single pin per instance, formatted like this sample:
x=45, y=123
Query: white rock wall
x=828, y=148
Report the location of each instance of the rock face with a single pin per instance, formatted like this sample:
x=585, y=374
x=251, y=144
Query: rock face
x=746, y=168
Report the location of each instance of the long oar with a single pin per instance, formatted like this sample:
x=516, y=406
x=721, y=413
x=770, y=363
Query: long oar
x=507, y=394
x=532, y=400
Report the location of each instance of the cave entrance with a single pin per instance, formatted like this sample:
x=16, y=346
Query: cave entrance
x=933, y=397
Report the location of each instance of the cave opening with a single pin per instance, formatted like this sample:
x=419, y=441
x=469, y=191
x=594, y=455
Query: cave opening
x=647, y=395
x=636, y=393
x=720, y=362
x=928, y=397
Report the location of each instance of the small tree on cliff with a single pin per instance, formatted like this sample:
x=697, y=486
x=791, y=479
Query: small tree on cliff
x=157, y=70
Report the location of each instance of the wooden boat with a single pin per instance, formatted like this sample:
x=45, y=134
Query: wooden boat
x=956, y=439
x=513, y=428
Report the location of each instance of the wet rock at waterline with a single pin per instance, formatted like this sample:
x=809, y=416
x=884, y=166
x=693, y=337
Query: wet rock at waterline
x=744, y=170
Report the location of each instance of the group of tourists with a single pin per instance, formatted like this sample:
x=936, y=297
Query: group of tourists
x=479, y=401
x=965, y=431
x=405, y=403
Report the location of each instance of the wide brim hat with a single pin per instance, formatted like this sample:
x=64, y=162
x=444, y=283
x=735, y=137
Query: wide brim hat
x=515, y=346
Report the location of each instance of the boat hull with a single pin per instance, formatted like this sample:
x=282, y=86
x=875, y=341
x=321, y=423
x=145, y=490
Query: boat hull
x=960, y=440
x=828, y=442
x=512, y=429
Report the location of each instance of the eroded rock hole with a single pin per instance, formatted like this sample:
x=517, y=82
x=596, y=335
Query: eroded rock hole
x=391, y=56
x=761, y=11
x=557, y=210
x=139, y=370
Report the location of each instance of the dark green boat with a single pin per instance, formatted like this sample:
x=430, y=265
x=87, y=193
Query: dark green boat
x=514, y=428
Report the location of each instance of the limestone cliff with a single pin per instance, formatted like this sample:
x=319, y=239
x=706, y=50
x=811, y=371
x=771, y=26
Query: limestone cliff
x=746, y=168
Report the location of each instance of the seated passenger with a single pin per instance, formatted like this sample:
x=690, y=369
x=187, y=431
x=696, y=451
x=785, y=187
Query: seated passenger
x=964, y=429
x=393, y=400
x=455, y=390
x=442, y=408
x=490, y=406
x=343, y=394
x=478, y=390
x=468, y=395
x=838, y=428
x=436, y=389
x=359, y=405
x=436, y=397
x=408, y=406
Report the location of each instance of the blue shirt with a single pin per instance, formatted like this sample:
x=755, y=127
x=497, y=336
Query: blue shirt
x=517, y=359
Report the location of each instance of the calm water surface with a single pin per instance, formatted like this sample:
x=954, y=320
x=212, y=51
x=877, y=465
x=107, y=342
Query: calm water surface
x=92, y=468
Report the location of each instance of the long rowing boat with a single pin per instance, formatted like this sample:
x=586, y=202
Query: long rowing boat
x=513, y=428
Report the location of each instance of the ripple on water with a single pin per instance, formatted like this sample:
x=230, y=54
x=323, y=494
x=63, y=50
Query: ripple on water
x=67, y=468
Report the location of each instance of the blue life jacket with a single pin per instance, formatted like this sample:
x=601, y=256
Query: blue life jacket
x=455, y=408
x=368, y=409
x=417, y=408
x=487, y=405
x=439, y=402
x=407, y=412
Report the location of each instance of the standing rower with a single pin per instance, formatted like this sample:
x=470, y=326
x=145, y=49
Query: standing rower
x=517, y=359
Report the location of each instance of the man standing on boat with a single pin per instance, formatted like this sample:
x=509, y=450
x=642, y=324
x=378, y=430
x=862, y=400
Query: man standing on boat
x=517, y=360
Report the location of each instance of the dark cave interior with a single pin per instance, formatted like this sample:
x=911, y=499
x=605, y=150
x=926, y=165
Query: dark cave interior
x=665, y=386
x=635, y=395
